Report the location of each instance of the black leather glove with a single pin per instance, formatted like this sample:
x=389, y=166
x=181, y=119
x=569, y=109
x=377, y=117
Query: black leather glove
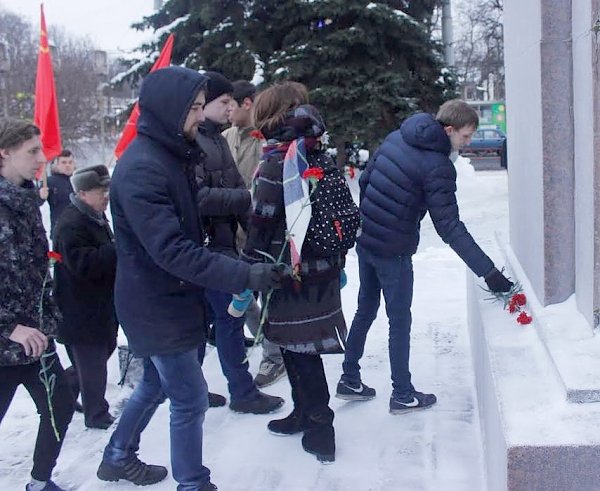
x=497, y=282
x=264, y=276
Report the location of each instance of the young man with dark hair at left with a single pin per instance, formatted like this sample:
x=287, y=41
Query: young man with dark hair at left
x=59, y=186
x=28, y=314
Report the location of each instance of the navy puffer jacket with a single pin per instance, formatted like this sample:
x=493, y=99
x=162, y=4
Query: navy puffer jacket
x=409, y=175
x=161, y=265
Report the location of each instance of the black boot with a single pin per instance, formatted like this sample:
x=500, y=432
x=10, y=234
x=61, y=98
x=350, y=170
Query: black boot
x=290, y=425
x=134, y=471
x=216, y=400
x=320, y=441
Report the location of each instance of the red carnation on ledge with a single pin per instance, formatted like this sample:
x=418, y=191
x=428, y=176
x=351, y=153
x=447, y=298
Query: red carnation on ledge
x=514, y=301
x=55, y=257
x=523, y=318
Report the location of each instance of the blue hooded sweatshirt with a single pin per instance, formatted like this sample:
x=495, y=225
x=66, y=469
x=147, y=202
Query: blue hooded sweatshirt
x=161, y=263
x=409, y=175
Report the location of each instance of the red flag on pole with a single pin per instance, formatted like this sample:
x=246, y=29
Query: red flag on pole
x=46, y=106
x=130, y=131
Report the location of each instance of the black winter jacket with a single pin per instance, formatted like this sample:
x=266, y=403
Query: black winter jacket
x=409, y=175
x=303, y=316
x=59, y=190
x=223, y=199
x=23, y=269
x=84, y=280
x=161, y=264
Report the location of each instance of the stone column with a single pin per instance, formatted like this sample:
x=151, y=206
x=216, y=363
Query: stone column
x=596, y=146
x=557, y=150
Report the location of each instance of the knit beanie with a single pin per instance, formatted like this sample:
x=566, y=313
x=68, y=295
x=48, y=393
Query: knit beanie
x=217, y=86
x=86, y=178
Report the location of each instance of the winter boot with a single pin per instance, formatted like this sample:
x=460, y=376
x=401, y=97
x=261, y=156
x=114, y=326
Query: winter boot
x=320, y=441
x=290, y=425
x=216, y=400
x=48, y=485
x=134, y=471
x=209, y=487
x=259, y=403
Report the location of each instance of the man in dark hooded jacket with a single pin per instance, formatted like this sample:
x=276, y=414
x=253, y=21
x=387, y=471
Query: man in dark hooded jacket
x=409, y=175
x=161, y=269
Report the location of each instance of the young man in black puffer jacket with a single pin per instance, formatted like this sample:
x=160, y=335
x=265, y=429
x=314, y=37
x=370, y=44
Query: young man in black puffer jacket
x=223, y=203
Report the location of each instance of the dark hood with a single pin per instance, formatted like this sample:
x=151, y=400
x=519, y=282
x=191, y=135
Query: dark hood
x=165, y=100
x=423, y=131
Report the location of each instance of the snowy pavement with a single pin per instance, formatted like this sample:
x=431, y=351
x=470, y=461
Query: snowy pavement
x=438, y=449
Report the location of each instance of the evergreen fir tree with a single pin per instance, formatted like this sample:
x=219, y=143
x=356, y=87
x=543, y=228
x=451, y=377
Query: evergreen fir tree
x=367, y=64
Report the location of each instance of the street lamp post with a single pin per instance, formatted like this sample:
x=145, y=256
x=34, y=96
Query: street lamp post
x=101, y=71
x=4, y=70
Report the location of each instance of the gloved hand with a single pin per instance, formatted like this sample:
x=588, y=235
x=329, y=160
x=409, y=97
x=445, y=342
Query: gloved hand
x=497, y=282
x=265, y=276
x=343, y=279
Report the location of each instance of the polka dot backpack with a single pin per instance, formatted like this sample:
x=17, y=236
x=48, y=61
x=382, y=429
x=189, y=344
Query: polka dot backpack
x=335, y=219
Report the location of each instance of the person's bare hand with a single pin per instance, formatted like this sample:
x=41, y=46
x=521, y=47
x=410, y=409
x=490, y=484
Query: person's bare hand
x=35, y=342
x=44, y=193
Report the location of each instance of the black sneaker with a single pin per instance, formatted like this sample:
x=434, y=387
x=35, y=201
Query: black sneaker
x=290, y=425
x=260, y=403
x=354, y=392
x=417, y=400
x=134, y=471
x=216, y=400
x=209, y=487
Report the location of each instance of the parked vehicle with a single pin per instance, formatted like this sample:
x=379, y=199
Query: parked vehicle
x=486, y=141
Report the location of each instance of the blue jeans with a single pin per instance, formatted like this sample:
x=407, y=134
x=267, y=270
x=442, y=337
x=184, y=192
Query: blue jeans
x=393, y=276
x=179, y=377
x=229, y=337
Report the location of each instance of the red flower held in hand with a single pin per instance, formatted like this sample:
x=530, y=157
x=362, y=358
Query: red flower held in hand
x=315, y=173
x=55, y=257
x=257, y=134
x=523, y=318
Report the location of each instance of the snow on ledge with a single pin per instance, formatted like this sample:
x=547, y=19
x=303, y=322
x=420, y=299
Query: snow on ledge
x=568, y=338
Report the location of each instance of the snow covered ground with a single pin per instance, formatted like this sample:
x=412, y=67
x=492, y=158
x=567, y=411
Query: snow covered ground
x=439, y=449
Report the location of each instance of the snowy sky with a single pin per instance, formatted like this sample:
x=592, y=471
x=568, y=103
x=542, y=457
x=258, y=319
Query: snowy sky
x=106, y=22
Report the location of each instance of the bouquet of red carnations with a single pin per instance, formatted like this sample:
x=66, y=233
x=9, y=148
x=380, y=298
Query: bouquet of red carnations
x=514, y=301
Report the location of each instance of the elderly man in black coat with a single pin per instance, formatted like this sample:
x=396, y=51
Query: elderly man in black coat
x=162, y=268
x=84, y=289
